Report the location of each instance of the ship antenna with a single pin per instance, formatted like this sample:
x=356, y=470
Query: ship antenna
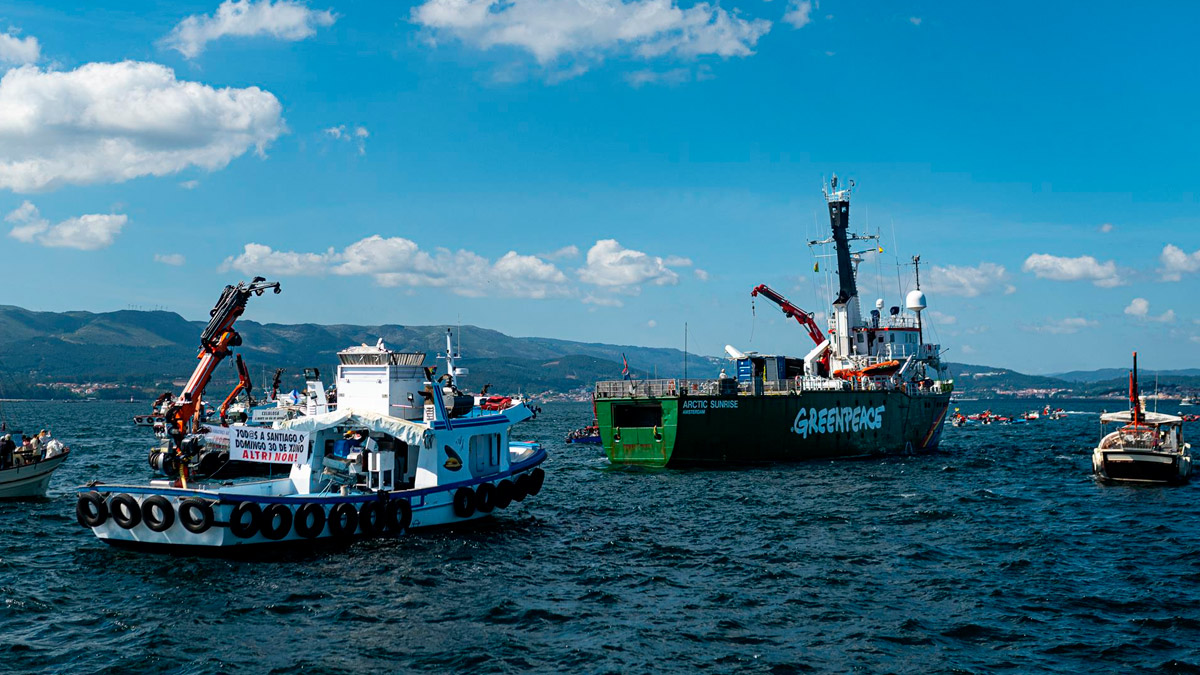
x=917, y=269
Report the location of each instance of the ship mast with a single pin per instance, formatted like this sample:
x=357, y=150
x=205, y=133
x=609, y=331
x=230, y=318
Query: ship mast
x=917, y=271
x=846, y=312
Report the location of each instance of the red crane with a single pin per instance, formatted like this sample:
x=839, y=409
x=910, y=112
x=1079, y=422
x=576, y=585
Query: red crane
x=183, y=414
x=791, y=311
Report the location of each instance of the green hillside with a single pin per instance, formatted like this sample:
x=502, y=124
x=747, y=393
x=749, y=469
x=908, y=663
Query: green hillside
x=150, y=350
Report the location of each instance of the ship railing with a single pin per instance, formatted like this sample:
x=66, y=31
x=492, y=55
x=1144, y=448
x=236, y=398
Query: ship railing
x=795, y=385
x=663, y=387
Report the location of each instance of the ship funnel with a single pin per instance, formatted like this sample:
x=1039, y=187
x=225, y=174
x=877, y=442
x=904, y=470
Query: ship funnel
x=915, y=301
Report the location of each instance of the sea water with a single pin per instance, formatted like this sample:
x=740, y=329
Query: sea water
x=997, y=553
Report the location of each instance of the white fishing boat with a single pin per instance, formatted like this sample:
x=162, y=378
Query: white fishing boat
x=401, y=450
x=1148, y=447
x=32, y=479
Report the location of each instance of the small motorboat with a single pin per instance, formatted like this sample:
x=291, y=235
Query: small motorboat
x=29, y=475
x=1148, y=447
x=588, y=434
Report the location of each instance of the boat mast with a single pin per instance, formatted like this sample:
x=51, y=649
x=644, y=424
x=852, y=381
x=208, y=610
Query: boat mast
x=1135, y=405
x=917, y=271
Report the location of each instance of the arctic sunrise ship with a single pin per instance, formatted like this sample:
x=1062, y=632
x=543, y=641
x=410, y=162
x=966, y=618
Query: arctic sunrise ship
x=869, y=386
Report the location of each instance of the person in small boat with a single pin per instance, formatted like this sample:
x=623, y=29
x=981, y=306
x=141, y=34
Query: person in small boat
x=26, y=453
x=7, y=447
x=51, y=447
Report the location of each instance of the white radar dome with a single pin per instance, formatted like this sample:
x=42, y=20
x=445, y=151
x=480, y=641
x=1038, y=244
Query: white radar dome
x=879, y=304
x=915, y=301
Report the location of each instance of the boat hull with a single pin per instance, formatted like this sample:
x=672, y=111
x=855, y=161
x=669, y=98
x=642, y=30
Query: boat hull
x=1147, y=467
x=430, y=507
x=31, y=480
x=673, y=431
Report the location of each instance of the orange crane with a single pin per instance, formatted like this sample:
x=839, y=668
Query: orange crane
x=183, y=415
x=791, y=311
x=244, y=384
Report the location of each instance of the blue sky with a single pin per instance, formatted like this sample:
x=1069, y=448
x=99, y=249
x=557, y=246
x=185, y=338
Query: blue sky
x=609, y=170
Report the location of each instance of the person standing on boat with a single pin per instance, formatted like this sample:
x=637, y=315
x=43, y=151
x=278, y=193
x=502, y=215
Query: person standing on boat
x=51, y=447
x=7, y=447
x=36, y=445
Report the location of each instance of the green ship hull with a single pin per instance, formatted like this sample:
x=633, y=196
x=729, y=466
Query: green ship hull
x=674, y=431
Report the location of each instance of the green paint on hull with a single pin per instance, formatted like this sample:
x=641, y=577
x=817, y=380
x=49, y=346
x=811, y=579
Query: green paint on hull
x=674, y=431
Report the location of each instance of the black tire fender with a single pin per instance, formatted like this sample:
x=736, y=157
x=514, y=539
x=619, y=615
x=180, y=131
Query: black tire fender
x=280, y=513
x=521, y=487
x=196, y=515
x=399, y=515
x=372, y=518
x=464, y=502
x=485, y=497
x=504, y=494
x=339, y=527
x=125, y=511
x=310, y=529
x=91, y=510
x=151, y=518
x=242, y=527
x=536, y=477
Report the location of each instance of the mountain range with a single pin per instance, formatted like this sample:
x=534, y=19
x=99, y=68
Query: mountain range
x=143, y=352
x=151, y=350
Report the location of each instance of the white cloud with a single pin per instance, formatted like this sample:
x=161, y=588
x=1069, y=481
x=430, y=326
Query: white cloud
x=967, y=281
x=943, y=319
x=672, y=77
x=86, y=233
x=263, y=260
x=1140, y=307
x=967, y=349
x=602, y=300
x=571, y=251
x=110, y=122
x=1083, y=268
x=702, y=275
x=797, y=13
x=1106, y=228
x=914, y=20
x=190, y=184
x=358, y=135
x=173, y=259
x=552, y=30
x=282, y=20
x=651, y=323
x=18, y=51
x=1176, y=263
x=399, y=262
x=611, y=265
x=1063, y=326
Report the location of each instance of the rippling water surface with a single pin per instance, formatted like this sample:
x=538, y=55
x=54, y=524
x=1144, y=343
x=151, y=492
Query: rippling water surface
x=998, y=553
